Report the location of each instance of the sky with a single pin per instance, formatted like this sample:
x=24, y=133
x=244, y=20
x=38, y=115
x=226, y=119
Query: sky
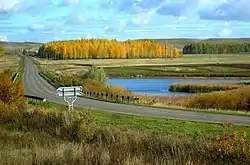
x=51, y=20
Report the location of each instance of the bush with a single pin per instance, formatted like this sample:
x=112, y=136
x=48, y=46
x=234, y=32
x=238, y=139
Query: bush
x=96, y=86
x=9, y=112
x=11, y=98
x=73, y=126
x=10, y=93
x=96, y=74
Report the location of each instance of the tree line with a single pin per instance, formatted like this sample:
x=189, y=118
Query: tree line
x=216, y=48
x=106, y=49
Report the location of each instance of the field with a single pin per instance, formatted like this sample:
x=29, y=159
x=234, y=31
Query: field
x=9, y=62
x=190, y=65
x=43, y=136
x=12, y=46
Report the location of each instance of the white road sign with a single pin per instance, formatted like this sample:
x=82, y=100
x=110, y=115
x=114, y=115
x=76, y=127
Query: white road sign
x=69, y=91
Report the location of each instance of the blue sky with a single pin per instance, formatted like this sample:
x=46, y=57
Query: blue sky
x=48, y=20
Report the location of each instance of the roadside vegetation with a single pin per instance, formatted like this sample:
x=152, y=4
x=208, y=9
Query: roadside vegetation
x=46, y=133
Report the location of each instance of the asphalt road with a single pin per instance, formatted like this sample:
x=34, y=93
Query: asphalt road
x=35, y=85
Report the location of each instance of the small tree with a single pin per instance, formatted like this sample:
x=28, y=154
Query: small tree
x=96, y=74
x=176, y=53
x=10, y=93
x=170, y=53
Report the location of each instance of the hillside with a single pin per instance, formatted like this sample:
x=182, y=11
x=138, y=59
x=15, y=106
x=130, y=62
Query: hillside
x=9, y=46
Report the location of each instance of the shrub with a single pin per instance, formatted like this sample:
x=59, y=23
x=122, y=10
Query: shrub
x=10, y=93
x=96, y=74
x=94, y=86
x=9, y=112
x=74, y=126
x=11, y=98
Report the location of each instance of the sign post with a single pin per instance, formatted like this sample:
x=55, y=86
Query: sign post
x=69, y=94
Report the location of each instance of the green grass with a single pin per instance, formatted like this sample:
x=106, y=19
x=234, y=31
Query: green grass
x=149, y=124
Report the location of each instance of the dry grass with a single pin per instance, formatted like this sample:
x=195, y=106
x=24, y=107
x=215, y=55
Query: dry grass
x=237, y=99
x=9, y=62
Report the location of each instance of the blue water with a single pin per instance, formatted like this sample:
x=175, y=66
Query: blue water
x=158, y=87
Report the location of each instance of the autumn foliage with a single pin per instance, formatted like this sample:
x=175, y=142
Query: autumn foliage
x=105, y=49
x=11, y=97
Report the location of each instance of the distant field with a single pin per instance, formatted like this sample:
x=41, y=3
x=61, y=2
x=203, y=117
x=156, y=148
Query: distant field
x=11, y=46
x=9, y=62
x=193, y=65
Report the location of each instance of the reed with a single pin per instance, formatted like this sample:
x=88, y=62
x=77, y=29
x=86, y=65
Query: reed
x=204, y=87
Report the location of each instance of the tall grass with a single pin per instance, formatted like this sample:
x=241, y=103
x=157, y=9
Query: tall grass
x=204, y=87
x=237, y=99
x=44, y=136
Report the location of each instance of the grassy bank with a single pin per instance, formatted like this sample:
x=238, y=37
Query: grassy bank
x=205, y=87
x=48, y=134
x=171, y=127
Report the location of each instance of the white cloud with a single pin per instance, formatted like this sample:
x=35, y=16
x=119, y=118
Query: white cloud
x=141, y=18
x=8, y=5
x=225, y=32
x=71, y=2
x=36, y=27
x=3, y=38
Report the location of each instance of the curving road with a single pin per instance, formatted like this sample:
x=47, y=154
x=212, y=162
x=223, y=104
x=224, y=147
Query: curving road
x=37, y=86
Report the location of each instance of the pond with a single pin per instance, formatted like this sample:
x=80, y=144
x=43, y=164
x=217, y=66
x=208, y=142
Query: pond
x=158, y=87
